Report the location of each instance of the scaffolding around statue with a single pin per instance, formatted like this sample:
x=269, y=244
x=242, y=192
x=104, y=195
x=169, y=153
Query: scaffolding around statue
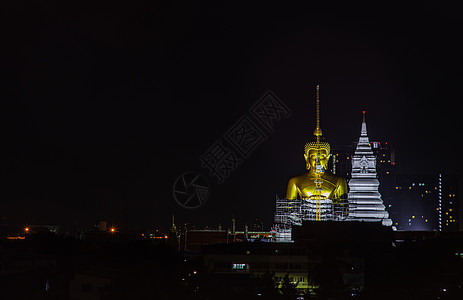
x=292, y=212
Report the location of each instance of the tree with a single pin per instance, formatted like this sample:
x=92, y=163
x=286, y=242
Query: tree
x=288, y=287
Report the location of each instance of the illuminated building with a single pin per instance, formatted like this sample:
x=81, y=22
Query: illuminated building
x=340, y=163
x=385, y=154
x=315, y=195
x=447, y=203
x=423, y=202
x=365, y=203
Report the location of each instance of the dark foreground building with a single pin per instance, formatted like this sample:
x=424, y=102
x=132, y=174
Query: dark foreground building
x=328, y=260
x=334, y=259
x=339, y=260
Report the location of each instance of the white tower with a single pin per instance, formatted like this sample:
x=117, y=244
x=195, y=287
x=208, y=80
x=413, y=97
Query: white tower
x=365, y=203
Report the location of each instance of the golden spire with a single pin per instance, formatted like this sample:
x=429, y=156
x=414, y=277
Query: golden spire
x=318, y=142
x=318, y=131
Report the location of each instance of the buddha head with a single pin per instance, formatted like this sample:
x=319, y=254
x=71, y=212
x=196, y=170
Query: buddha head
x=317, y=152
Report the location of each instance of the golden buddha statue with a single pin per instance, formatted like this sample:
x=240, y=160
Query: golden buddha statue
x=317, y=183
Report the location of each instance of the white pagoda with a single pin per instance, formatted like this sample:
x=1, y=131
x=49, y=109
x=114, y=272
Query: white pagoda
x=365, y=203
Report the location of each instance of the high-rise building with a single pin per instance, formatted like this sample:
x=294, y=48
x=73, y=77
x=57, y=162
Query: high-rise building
x=340, y=162
x=422, y=202
x=411, y=201
x=384, y=152
x=449, y=214
x=365, y=203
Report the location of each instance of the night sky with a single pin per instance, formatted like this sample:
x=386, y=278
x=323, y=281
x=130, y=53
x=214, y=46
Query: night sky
x=116, y=101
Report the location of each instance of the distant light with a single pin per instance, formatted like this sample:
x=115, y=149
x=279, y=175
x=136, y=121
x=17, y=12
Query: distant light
x=240, y=266
x=194, y=272
x=445, y=290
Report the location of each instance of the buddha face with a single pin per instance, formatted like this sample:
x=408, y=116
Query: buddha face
x=311, y=159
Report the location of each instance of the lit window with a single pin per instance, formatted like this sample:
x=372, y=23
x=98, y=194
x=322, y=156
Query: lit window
x=240, y=266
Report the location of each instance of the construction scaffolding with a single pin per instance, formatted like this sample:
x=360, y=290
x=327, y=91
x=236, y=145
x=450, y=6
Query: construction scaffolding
x=290, y=213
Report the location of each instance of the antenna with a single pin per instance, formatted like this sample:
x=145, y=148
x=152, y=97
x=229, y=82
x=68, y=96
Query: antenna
x=318, y=131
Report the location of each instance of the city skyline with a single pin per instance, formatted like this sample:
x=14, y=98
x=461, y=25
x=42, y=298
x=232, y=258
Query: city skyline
x=114, y=109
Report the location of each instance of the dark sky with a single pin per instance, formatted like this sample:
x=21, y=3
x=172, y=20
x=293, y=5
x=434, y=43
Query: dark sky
x=118, y=100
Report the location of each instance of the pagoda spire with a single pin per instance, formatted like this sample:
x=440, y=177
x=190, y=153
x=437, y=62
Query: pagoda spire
x=318, y=131
x=365, y=203
x=363, y=132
